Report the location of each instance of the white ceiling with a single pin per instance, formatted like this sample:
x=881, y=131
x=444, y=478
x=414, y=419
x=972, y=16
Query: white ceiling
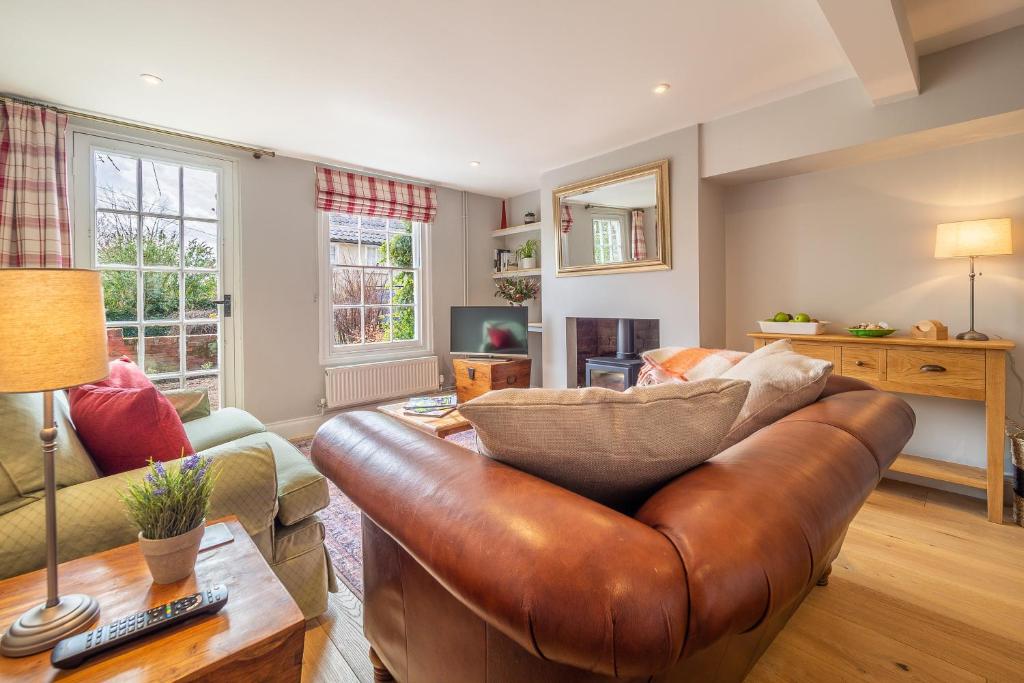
x=627, y=194
x=421, y=88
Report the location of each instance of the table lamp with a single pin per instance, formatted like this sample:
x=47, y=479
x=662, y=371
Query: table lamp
x=52, y=336
x=986, y=237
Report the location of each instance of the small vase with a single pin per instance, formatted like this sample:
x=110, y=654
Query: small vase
x=172, y=559
x=528, y=263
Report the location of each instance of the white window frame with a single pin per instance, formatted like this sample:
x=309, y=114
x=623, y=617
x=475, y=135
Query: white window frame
x=84, y=141
x=353, y=354
x=608, y=218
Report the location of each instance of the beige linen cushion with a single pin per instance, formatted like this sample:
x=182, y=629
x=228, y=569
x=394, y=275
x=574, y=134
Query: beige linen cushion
x=610, y=446
x=781, y=381
x=190, y=404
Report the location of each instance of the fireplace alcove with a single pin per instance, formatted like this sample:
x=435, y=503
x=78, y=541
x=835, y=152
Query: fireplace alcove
x=612, y=365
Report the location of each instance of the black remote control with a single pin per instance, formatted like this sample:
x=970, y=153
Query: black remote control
x=72, y=651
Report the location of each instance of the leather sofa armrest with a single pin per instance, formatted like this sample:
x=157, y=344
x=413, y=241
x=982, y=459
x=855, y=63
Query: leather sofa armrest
x=568, y=579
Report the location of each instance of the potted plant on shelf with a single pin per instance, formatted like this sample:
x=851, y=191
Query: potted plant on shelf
x=516, y=290
x=169, y=507
x=527, y=254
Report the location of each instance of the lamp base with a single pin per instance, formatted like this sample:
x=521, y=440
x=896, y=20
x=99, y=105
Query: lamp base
x=971, y=335
x=42, y=627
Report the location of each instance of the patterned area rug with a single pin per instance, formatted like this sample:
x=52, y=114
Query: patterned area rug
x=343, y=525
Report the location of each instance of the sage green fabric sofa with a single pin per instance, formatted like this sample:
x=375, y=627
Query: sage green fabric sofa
x=262, y=479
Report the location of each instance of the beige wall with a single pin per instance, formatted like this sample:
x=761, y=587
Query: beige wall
x=278, y=231
x=670, y=296
x=856, y=244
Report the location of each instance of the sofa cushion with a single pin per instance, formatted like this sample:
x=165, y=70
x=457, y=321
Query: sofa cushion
x=301, y=489
x=292, y=541
x=123, y=428
x=21, y=461
x=781, y=381
x=685, y=364
x=226, y=424
x=609, y=446
x=190, y=404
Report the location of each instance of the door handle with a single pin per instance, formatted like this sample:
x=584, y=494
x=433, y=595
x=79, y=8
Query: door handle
x=930, y=367
x=226, y=303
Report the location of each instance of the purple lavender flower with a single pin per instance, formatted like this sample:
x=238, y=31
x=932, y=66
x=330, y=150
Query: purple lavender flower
x=190, y=463
x=150, y=479
x=159, y=467
x=159, y=491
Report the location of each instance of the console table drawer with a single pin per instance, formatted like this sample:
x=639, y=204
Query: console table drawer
x=863, y=363
x=945, y=372
x=819, y=351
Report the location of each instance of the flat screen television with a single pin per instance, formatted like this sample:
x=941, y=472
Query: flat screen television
x=490, y=331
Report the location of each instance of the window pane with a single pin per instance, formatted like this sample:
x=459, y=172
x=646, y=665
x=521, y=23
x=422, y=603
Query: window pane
x=116, y=182
x=117, y=239
x=160, y=187
x=200, y=244
x=405, y=322
x=377, y=286
x=200, y=293
x=123, y=341
x=373, y=223
x=400, y=225
x=200, y=193
x=167, y=383
x=374, y=247
x=121, y=294
x=160, y=241
x=201, y=347
x=403, y=288
x=378, y=324
x=345, y=287
x=162, y=348
x=160, y=295
x=209, y=382
x=347, y=326
x=400, y=250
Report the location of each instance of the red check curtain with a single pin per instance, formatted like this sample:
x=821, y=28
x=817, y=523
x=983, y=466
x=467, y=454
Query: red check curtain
x=35, y=228
x=369, y=196
x=637, y=242
x=566, y=219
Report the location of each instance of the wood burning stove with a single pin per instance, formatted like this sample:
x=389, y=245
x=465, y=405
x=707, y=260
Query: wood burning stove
x=618, y=372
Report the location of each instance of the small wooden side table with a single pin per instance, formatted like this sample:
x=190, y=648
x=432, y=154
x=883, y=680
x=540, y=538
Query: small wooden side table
x=948, y=368
x=257, y=636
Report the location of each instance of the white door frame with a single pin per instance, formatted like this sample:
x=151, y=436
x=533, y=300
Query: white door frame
x=83, y=141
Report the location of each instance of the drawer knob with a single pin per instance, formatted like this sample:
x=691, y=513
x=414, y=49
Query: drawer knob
x=931, y=367
x=859, y=364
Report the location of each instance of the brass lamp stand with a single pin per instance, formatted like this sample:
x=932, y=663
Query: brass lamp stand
x=53, y=335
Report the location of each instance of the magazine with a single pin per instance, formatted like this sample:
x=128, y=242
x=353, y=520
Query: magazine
x=432, y=402
x=429, y=412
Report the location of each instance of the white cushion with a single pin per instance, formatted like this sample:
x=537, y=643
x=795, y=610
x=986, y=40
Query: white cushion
x=781, y=381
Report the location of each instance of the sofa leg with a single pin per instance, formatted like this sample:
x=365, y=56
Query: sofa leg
x=380, y=672
x=823, y=579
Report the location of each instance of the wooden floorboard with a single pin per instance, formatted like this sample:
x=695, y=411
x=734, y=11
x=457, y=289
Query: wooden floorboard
x=925, y=589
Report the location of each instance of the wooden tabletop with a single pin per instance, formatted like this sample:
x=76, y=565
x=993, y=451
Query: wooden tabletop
x=436, y=426
x=893, y=339
x=260, y=617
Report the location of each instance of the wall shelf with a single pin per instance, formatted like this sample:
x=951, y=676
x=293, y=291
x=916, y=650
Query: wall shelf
x=516, y=230
x=522, y=272
x=535, y=327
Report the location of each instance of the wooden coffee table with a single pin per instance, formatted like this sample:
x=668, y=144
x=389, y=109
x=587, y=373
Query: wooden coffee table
x=257, y=636
x=440, y=427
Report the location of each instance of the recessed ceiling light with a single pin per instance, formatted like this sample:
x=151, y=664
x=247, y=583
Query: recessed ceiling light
x=661, y=88
x=151, y=79
x=474, y=164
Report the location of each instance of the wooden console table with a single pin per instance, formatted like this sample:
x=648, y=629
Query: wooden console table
x=967, y=370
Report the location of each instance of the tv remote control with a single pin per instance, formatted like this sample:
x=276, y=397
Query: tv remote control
x=74, y=650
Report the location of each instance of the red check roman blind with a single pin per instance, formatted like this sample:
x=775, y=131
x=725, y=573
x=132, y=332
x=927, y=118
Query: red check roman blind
x=369, y=196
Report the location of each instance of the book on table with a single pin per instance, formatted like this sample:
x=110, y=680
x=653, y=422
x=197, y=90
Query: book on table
x=431, y=406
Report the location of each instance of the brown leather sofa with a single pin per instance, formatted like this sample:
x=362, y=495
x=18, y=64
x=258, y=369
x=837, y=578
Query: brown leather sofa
x=475, y=571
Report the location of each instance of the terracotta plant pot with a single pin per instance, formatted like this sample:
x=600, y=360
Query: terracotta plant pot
x=172, y=559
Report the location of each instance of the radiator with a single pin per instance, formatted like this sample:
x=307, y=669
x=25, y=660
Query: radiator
x=353, y=385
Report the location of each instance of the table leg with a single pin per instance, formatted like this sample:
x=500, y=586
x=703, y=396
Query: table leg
x=995, y=430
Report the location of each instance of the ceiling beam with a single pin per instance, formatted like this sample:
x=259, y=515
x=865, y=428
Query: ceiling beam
x=876, y=37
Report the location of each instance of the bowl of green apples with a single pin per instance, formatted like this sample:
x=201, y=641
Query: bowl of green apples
x=785, y=323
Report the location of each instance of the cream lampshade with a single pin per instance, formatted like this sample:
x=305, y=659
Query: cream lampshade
x=52, y=336
x=971, y=239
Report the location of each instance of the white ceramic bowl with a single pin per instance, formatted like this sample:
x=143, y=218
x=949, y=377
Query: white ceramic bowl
x=772, y=327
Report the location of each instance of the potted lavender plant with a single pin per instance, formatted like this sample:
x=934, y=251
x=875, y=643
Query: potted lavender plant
x=169, y=507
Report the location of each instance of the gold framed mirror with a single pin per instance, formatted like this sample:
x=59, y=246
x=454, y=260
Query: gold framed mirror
x=615, y=223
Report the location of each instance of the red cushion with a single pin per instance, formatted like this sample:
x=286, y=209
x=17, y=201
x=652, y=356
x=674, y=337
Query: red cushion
x=125, y=374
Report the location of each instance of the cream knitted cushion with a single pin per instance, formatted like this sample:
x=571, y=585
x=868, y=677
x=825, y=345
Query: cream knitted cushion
x=781, y=381
x=610, y=446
